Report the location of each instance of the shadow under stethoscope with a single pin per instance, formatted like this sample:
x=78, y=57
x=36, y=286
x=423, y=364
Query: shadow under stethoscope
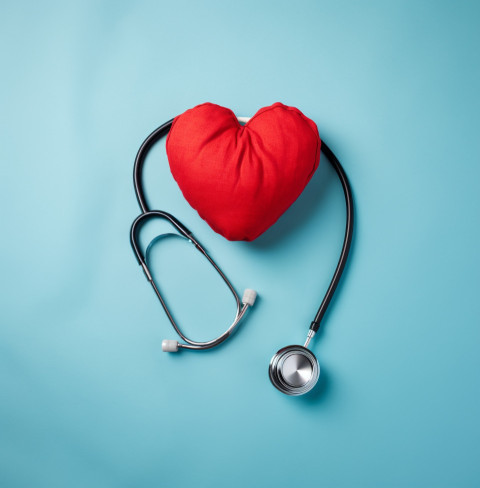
x=321, y=391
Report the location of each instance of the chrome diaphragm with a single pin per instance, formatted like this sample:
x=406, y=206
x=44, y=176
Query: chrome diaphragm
x=294, y=370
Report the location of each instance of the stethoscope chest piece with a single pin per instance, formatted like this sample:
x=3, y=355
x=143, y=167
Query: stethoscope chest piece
x=294, y=370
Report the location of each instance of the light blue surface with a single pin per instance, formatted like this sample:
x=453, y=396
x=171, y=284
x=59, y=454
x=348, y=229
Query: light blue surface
x=87, y=397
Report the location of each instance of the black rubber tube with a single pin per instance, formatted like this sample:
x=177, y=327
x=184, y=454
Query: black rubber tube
x=347, y=241
x=147, y=144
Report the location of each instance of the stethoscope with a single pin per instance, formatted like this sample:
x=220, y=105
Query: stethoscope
x=294, y=370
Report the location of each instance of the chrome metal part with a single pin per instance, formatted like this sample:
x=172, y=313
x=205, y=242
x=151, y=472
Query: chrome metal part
x=294, y=370
x=311, y=334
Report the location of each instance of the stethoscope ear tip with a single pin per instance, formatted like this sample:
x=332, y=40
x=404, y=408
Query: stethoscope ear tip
x=169, y=345
x=249, y=297
x=294, y=370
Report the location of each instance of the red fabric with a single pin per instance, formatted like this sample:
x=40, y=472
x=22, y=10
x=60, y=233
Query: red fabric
x=241, y=179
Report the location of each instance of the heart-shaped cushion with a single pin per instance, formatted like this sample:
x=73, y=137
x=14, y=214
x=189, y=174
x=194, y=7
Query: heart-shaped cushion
x=242, y=178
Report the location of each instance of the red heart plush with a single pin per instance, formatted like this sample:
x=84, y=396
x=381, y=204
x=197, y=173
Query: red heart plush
x=241, y=179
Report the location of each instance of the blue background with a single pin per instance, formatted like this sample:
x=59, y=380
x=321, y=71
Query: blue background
x=87, y=396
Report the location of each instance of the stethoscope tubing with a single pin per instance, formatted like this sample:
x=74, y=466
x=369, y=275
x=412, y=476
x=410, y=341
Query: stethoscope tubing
x=347, y=241
x=142, y=152
x=148, y=214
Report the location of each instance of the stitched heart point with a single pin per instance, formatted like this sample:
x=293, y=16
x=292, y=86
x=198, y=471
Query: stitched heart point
x=241, y=179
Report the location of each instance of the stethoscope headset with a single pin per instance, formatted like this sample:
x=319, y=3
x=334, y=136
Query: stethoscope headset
x=293, y=370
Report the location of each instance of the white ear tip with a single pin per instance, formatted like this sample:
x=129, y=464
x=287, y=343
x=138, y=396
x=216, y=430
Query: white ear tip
x=249, y=297
x=169, y=345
